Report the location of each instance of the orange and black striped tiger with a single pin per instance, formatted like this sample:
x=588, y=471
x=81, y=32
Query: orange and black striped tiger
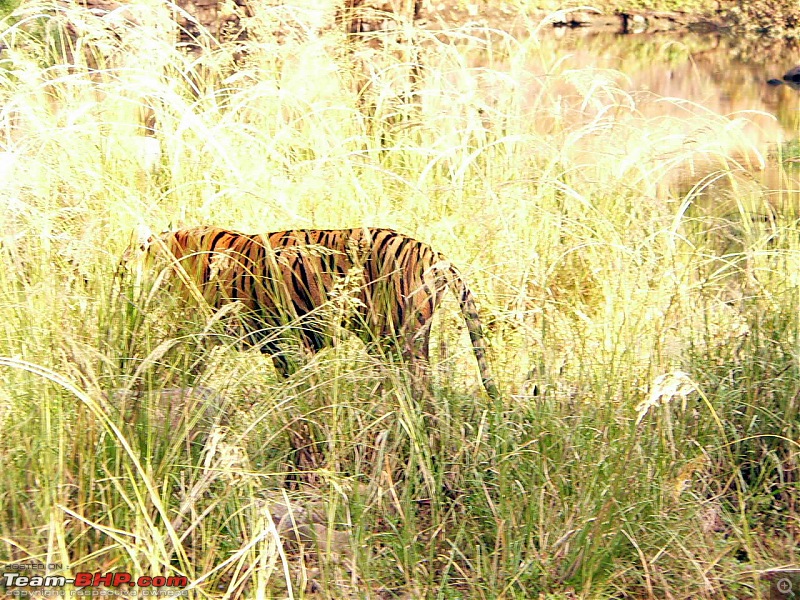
x=284, y=278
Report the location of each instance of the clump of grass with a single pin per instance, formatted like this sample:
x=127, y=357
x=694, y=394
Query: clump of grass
x=555, y=192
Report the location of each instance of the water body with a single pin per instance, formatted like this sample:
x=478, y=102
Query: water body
x=705, y=79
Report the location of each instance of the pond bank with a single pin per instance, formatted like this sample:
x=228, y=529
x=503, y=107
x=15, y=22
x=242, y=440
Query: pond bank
x=507, y=18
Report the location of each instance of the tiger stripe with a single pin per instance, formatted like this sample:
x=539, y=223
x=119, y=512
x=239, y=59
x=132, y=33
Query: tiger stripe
x=284, y=277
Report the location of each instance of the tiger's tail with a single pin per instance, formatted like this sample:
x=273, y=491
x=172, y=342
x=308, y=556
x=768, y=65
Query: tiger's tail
x=466, y=301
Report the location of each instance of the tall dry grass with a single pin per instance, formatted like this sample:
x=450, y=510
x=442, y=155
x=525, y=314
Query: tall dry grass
x=658, y=458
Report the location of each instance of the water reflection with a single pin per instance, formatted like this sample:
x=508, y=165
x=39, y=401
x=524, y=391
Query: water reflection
x=790, y=78
x=711, y=79
x=703, y=68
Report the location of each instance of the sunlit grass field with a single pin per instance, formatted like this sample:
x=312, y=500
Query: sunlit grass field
x=643, y=330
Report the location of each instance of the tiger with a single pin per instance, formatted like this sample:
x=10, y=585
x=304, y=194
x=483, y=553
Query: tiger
x=284, y=278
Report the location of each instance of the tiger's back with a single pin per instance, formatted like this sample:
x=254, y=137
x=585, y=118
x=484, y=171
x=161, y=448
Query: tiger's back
x=286, y=278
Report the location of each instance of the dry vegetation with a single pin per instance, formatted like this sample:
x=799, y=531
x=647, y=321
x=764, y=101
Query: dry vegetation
x=659, y=458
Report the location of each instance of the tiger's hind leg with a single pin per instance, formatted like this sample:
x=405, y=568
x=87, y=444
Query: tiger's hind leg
x=416, y=354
